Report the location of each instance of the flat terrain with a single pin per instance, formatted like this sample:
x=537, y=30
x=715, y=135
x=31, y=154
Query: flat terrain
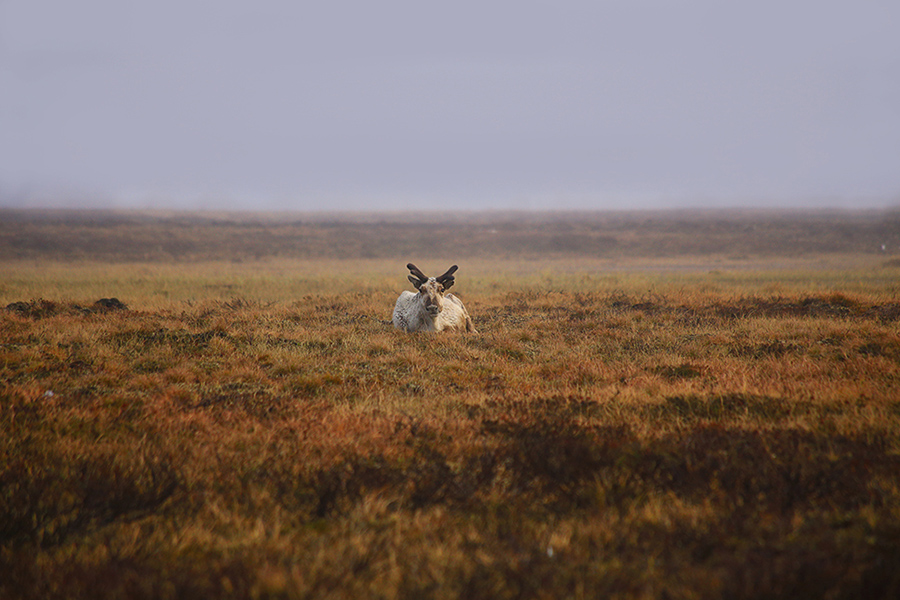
x=657, y=405
x=184, y=237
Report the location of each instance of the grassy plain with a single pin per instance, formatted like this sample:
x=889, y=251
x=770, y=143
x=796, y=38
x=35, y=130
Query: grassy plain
x=672, y=405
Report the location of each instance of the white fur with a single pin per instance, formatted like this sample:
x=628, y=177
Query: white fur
x=431, y=310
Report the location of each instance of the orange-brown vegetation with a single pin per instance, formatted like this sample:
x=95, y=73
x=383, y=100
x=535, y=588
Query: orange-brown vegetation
x=699, y=426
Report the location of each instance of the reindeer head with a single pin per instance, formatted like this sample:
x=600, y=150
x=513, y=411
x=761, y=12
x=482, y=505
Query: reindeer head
x=431, y=289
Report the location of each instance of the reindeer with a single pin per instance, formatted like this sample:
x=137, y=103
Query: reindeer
x=431, y=309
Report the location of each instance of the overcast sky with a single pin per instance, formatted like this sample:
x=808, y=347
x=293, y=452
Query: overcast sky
x=395, y=105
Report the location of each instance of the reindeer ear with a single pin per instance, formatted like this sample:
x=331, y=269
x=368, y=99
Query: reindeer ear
x=416, y=283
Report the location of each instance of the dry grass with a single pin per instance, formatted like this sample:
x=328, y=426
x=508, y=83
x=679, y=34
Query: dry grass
x=639, y=429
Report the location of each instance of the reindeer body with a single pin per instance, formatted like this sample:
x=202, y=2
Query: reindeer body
x=430, y=309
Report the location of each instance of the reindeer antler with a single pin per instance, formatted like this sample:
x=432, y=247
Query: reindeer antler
x=447, y=278
x=419, y=278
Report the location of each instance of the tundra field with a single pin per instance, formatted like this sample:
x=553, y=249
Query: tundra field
x=656, y=405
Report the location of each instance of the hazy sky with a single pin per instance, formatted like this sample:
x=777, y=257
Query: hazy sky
x=331, y=105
